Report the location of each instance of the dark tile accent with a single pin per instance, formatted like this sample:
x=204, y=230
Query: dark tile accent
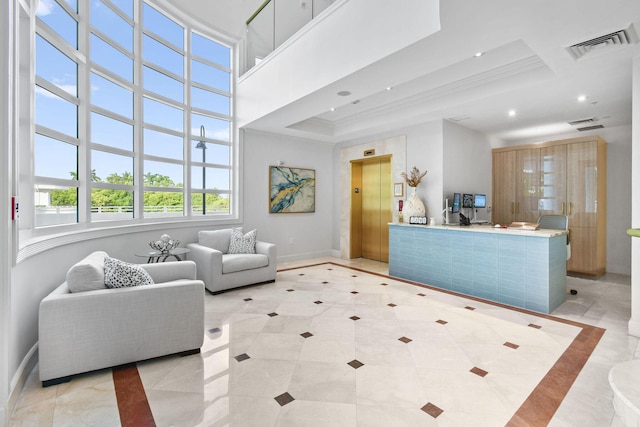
x=317, y=302
x=421, y=295
x=241, y=357
x=284, y=398
x=329, y=269
x=470, y=308
x=442, y=322
x=214, y=330
x=354, y=318
x=272, y=314
x=432, y=410
x=405, y=340
x=384, y=284
x=306, y=334
x=325, y=283
x=353, y=275
x=290, y=290
x=533, y=325
x=354, y=292
x=300, y=274
x=355, y=364
x=392, y=305
x=133, y=405
x=479, y=372
x=511, y=345
x=248, y=299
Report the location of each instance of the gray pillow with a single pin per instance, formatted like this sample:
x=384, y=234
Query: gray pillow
x=240, y=244
x=120, y=274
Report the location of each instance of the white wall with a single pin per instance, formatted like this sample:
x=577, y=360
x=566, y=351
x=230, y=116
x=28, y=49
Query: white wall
x=467, y=164
x=311, y=232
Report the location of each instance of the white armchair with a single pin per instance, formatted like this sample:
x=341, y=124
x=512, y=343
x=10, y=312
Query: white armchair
x=220, y=270
x=95, y=327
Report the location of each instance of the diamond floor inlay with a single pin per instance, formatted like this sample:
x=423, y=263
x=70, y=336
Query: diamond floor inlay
x=322, y=346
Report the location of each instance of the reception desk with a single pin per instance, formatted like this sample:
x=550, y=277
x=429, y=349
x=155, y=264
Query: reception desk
x=525, y=269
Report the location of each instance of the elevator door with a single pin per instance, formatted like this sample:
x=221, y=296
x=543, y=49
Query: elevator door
x=376, y=208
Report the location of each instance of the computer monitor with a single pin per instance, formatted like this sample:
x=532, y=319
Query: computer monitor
x=467, y=200
x=479, y=201
x=455, y=206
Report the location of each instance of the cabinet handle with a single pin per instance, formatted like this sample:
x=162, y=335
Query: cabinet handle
x=570, y=208
x=512, y=211
x=562, y=208
x=518, y=207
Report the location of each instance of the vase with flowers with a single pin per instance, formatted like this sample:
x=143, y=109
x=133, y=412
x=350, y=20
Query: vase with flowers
x=414, y=206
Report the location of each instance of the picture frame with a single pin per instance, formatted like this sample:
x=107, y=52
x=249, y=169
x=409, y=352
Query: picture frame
x=292, y=190
x=398, y=189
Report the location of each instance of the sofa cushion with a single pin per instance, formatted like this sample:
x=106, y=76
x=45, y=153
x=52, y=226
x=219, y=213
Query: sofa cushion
x=216, y=239
x=232, y=263
x=242, y=244
x=88, y=273
x=120, y=274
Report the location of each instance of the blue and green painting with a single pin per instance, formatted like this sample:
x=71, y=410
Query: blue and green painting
x=292, y=190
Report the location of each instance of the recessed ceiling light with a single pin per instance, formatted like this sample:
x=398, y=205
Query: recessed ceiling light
x=478, y=54
x=344, y=93
x=582, y=98
x=512, y=113
x=389, y=88
x=333, y=109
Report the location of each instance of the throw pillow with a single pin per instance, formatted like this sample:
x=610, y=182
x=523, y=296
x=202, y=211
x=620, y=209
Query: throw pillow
x=240, y=244
x=120, y=274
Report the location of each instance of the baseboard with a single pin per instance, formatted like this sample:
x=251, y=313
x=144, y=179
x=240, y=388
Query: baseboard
x=309, y=255
x=19, y=379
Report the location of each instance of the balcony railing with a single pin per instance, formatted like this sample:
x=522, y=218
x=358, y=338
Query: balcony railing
x=274, y=22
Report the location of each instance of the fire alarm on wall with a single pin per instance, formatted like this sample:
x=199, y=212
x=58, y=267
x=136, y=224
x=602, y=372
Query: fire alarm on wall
x=15, y=213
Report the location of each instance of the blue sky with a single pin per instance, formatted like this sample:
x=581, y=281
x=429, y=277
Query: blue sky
x=56, y=159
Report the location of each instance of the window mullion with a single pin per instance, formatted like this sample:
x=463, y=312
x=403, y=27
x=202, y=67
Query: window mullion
x=138, y=130
x=84, y=100
x=187, y=123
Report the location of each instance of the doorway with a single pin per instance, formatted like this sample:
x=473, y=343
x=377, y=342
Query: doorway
x=371, y=196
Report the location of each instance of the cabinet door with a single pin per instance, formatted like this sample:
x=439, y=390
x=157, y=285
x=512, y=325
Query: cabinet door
x=504, y=195
x=527, y=185
x=582, y=184
x=553, y=180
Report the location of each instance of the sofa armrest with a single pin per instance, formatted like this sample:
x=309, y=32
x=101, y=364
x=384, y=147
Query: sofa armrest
x=208, y=262
x=268, y=249
x=162, y=272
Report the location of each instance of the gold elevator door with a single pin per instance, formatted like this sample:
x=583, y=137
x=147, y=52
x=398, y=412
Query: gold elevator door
x=371, y=211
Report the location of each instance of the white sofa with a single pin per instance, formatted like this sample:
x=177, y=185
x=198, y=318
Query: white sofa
x=221, y=270
x=95, y=327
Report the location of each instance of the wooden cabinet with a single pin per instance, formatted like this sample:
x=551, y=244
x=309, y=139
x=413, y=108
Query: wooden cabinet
x=565, y=177
x=516, y=176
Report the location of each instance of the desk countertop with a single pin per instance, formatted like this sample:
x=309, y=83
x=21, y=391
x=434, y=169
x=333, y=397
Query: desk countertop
x=488, y=229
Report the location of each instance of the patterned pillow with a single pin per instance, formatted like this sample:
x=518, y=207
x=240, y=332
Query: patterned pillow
x=120, y=274
x=240, y=244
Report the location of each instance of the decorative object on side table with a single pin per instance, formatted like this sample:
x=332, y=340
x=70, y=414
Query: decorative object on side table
x=165, y=244
x=414, y=206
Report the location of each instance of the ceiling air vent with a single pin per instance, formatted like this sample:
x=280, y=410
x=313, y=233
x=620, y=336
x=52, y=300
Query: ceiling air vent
x=583, y=121
x=604, y=43
x=590, y=128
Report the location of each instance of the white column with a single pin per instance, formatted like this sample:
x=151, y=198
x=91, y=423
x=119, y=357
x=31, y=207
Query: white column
x=634, y=323
x=6, y=55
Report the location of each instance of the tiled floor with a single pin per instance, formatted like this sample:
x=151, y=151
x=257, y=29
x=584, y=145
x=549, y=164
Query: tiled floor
x=335, y=346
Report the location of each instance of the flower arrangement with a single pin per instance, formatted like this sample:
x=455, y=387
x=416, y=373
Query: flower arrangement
x=165, y=244
x=414, y=178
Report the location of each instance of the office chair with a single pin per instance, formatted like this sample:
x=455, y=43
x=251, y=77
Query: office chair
x=557, y=222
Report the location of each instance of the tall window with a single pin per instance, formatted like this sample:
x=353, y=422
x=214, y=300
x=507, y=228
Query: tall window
x=132, y=119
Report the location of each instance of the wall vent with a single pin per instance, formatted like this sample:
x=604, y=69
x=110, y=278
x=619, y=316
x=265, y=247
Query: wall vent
x=590, y=128
x=604, y=43
x=583, y=121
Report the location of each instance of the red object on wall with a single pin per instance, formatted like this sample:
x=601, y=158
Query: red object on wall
x=400, y=205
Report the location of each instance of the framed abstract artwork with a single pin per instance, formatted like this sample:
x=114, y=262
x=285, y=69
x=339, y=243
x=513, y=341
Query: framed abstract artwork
x=291, y=190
